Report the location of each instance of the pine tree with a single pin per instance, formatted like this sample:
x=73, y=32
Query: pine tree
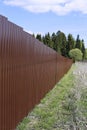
x=47, y=40
x=78, y=43
x=70, y=43
x=61, y=43
x=33, y=35
x=38, y=36
x=53, y=37
x=83, y=48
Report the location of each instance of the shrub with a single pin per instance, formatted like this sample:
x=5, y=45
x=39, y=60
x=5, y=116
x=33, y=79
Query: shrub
x=76, y=54
x=86, y=54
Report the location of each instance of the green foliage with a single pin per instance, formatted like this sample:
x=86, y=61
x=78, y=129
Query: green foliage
x=62, y=44
x=33, y=35
x=53, y=37
x=78, y=43
x=47, y=40
x=22, y=125
x=76, y=54
x=38, y=36
x=83, y=49
x=86, y=54
x=61, y=41
x=70, y=43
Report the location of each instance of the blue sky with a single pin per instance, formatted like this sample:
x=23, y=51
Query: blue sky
x=37, y=16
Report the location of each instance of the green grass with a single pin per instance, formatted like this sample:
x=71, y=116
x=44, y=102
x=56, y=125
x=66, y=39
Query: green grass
x=22, y=126
x=52, y=112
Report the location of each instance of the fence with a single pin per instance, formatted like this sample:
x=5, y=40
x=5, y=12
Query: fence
x=28, y=70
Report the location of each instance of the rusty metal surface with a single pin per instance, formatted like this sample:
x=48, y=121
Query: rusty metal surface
x=28, y=70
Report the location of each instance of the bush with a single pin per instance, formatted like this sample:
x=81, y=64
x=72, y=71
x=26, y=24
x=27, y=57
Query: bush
x=76, y=54
x=86, y=54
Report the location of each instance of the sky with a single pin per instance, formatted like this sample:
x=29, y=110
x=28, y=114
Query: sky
x=43, y=16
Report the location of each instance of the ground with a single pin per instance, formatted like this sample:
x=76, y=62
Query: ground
x=63, y=108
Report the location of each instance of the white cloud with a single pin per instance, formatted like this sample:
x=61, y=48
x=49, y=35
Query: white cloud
x=60, y=7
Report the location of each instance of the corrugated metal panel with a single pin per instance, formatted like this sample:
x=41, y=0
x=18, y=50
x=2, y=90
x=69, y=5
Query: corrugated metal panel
x=28, y=70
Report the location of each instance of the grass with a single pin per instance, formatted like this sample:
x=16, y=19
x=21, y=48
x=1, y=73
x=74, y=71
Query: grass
x=55, y=110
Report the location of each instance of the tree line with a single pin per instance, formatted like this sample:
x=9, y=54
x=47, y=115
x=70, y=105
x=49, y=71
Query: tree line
x=62, y=44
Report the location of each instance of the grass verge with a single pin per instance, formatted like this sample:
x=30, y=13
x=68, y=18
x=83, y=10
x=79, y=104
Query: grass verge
x=54, y=112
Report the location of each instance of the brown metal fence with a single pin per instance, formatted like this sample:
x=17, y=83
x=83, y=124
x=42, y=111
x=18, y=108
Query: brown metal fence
x=28, y=70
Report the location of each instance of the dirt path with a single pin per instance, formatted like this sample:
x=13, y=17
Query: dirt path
x=75, y=103
x=79, y=92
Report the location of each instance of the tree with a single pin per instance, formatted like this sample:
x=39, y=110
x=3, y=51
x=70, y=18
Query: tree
x=78, y=43
x=63, y=48
x=43, y=40
x=38, y=36
x=70, y=43
x=83, y=48
x=63, y=45
x=53, y=37
x=86, y=54
x=47, y=40
x=33, y=35
x=61, y=42
x=75, y=54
